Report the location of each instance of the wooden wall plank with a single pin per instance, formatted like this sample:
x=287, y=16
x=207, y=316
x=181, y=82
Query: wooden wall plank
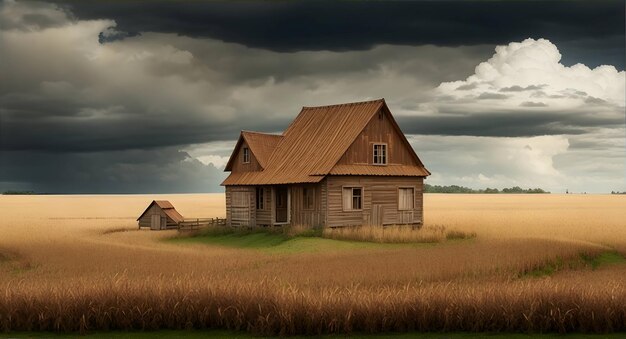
x=377, y=190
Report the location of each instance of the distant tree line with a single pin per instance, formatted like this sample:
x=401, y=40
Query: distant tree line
x=618, y=192
x=461, y=189
x=18, y=192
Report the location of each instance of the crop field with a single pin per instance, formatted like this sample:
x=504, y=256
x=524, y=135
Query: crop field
x=532, y=264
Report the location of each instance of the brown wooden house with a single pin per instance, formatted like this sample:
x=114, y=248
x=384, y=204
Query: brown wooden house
x=160, y=215
x=338, y=165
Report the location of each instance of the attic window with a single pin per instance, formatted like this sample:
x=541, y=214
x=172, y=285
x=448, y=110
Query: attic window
x=246, y=155
x=380, y=154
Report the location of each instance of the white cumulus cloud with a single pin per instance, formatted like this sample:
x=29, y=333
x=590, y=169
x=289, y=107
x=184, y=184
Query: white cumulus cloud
x=529, y=74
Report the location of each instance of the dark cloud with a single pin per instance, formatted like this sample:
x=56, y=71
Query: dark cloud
x=505, y=124
x=37, y=133
x=117, y=105
x=111, y=35
x=591, y=29
x=165, y=170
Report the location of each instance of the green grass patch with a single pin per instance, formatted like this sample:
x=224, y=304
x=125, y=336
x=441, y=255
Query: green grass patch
x=278, y=240
x=240, y=240
x=275, y=242
x=302, y=239
x=584, y=260
x=230, y=334
x=605, y=258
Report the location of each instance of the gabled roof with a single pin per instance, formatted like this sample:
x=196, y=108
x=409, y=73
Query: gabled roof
x=261, y=145
x=313, y=144
x=167, y=207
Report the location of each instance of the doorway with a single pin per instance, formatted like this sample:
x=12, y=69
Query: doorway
x=155, y=222
x=281, y=204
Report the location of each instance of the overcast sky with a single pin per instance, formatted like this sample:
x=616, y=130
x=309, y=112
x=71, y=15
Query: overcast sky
x=149, y=97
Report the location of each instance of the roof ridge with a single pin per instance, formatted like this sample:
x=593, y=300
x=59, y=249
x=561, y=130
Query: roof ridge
x=346, y=104
x=263, y=133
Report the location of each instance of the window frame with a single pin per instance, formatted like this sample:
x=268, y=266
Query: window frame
x=398, y=198
x=245, y=153
x=260, y=198
x=385, y=157
x=310, y=207
x=352, y=187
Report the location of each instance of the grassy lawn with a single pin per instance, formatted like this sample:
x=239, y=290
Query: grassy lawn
x=279, y=243
x=228, y=334
x=275, y=242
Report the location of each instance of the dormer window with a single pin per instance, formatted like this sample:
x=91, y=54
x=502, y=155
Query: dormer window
x=246, y=155
x=380, y=154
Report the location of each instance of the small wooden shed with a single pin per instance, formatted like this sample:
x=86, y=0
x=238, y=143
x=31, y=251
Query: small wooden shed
x=160, y=215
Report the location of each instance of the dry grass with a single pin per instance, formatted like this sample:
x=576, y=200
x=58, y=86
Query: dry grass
x=72, y=263
x=396, y=234
x=267, y=308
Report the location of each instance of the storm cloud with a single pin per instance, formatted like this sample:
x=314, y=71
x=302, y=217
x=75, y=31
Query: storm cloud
x=345, y=26
x=102, y=97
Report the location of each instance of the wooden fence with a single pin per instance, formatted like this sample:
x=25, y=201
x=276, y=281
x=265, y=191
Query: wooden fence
x=196, y=224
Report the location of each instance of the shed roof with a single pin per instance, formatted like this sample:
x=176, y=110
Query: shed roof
x=167, y=208
x=313, y=144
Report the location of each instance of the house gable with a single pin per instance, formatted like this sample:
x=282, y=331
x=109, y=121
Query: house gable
x=401, y=159
x=237, y=164
x=260, y=146
x=380, y=130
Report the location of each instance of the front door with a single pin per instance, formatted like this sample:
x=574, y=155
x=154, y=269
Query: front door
x=155, y=222
x=281, y=204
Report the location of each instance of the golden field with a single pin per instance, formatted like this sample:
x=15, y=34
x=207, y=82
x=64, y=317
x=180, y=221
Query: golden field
x=78, y=263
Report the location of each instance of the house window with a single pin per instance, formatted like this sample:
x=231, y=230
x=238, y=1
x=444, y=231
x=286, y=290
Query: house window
x=406, y=198
x=308, y=198
x=259, y=198
x=352, y=198
x=246, y=155
x=380, y=154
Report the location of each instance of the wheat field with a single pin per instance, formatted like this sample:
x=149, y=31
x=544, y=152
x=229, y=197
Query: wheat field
x=79, y=263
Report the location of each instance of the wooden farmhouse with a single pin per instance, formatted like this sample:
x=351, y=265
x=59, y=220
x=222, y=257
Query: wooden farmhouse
x=160, y=215
x=338, y=165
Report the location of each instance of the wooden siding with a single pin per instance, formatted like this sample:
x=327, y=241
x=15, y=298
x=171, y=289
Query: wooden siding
x=234, y=219
x=239, y=166
x=324, y=200
x=313, y=217
x=264, y=216
x=146, y=219
x=380, y=198
x=378, y=130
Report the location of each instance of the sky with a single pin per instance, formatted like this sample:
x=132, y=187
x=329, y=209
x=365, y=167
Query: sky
x=149, y=97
